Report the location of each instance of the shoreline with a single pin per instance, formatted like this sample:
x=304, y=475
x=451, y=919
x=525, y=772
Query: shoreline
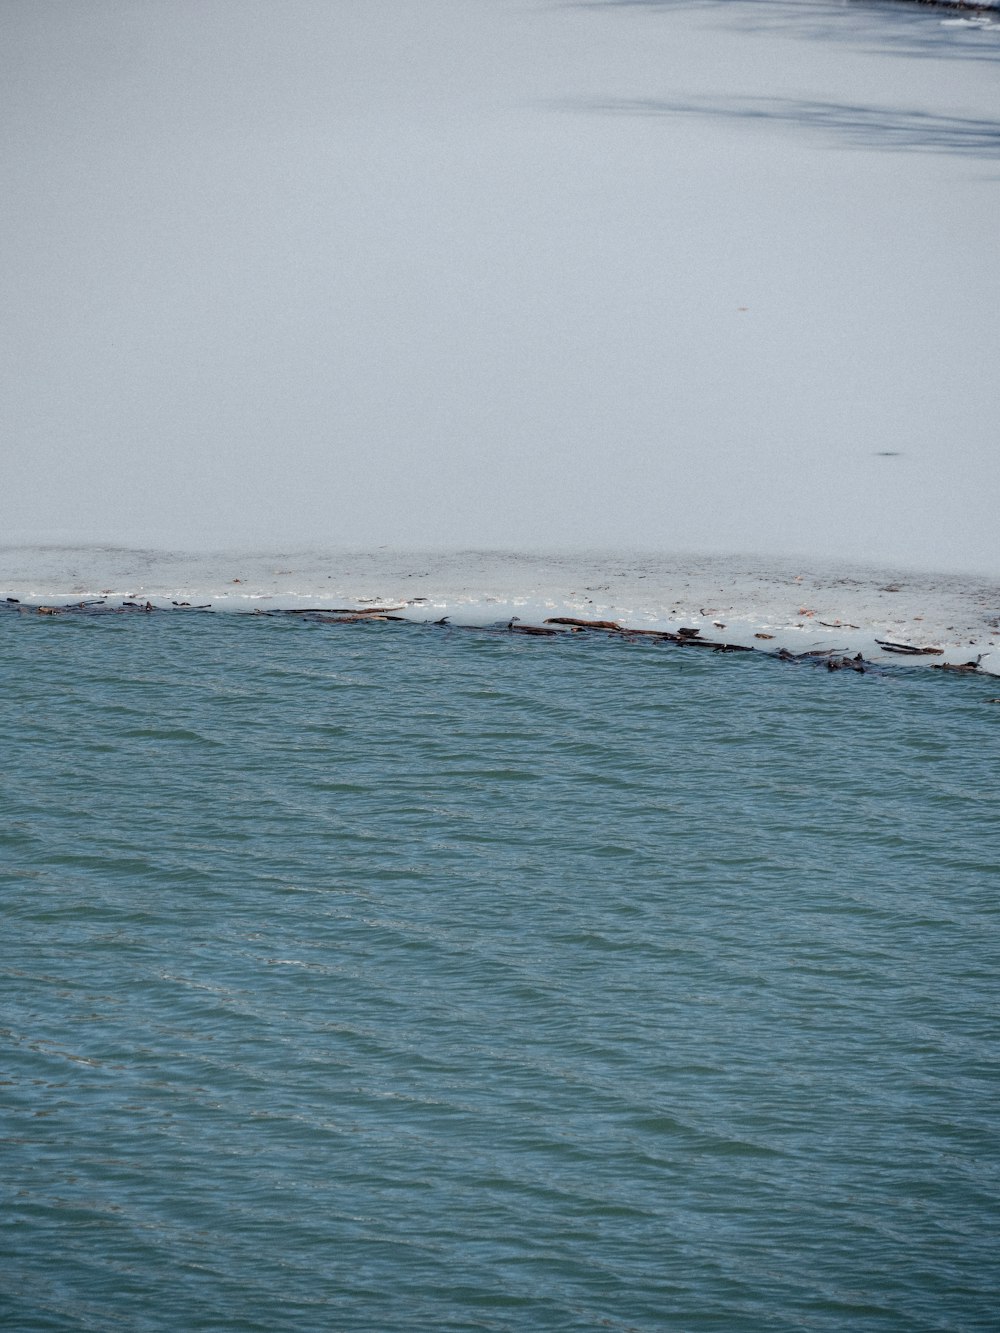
x=736, y=602
x=551, y=627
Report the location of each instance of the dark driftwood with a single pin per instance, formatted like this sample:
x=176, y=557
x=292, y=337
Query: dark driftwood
x=908, y=648
x=832, y=658
x=533, y=629
x=856, y=663
x=356, y=620
x=662, y=635
x=584, y=624
x=811, y=654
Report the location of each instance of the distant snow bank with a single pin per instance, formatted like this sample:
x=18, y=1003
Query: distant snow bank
x=767, y=604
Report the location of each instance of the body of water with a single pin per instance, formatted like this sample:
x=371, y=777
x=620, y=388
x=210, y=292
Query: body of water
x=399, y=977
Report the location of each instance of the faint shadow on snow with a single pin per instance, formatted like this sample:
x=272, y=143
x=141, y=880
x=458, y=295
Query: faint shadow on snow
x=859, y=126
x=915, y=28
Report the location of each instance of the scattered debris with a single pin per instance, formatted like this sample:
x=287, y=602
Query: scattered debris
x=688, y=636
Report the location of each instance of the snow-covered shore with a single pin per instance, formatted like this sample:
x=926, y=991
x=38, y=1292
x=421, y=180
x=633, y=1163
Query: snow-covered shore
x=765, y=604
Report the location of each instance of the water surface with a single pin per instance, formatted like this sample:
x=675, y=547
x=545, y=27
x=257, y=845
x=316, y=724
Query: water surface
x=398, y=977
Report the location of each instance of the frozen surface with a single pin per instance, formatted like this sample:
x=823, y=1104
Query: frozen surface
x=713, y=277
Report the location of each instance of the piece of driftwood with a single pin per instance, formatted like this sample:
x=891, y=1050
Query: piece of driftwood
x=351, y=619
x=856, y=663
x=584, y=624
x=537, y=630
x=834, y=659
x=811, y=654
x=662, y=635
x=888, y=646
x=958, y=666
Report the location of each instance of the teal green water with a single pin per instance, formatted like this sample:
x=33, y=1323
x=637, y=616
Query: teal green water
x=398, y=978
